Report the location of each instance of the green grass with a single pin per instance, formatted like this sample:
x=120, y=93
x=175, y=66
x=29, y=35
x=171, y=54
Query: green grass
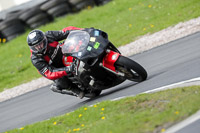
x=123, y=20
x=144, y=113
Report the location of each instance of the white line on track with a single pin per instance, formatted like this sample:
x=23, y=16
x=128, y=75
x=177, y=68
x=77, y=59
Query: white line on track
x=172, y=85
x=184, y=123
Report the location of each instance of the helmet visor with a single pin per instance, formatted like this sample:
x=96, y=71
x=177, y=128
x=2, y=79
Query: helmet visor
x=39, y=47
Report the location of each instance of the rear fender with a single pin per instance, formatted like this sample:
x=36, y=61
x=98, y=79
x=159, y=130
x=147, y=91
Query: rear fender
x=110, y=59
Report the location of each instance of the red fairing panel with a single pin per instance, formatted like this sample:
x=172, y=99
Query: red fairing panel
x=67, y=61
x=110, y=59
x=71, y=28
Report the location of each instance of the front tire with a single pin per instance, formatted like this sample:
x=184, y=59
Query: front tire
x=132, y=70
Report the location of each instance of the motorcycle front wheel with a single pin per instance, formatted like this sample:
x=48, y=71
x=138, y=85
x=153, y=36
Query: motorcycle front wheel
x=132, y=70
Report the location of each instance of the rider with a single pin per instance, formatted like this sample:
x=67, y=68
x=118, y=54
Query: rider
x=46, y=56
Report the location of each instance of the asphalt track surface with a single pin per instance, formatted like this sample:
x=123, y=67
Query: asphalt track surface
x=170, y=63
x=192, y=128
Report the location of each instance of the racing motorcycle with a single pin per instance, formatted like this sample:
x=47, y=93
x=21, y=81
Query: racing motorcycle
x=98, y=64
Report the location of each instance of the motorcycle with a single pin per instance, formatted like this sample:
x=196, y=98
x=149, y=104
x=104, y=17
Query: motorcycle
x=98, y=64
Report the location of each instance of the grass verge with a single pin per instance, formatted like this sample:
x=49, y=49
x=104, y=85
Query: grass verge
x=124, y=20
x=144, y=113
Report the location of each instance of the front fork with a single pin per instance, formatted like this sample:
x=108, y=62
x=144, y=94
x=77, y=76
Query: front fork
x=109, y=61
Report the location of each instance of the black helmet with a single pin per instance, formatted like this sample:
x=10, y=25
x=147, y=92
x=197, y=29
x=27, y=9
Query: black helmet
x=37, y=41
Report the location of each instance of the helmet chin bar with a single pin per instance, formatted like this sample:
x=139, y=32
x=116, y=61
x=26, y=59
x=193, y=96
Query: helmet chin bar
x=40, y=47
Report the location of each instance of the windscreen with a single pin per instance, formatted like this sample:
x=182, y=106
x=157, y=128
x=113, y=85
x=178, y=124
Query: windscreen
x=76, y=42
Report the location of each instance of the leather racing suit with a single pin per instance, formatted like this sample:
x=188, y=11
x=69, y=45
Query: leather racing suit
x=50, y=64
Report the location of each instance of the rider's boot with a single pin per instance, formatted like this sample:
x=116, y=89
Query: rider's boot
x=71, y=91
x=55, y=88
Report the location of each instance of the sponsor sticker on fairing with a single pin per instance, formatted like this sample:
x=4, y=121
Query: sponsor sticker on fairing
x=96, y=45
x=96, y=33
x=89, y=48
x=92, y=39
x=79, y=53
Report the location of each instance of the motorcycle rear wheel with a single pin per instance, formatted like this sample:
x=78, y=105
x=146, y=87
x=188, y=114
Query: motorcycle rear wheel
x=132, y=70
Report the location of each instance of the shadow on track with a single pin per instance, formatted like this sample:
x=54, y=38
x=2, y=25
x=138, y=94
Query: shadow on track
x=112, y=90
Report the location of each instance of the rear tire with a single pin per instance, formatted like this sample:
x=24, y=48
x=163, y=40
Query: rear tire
x=132, y=70
x=51, y=4
x=29, y=13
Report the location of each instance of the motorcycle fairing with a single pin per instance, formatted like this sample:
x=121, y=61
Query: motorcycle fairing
x=94, y=48
x=110, y=59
